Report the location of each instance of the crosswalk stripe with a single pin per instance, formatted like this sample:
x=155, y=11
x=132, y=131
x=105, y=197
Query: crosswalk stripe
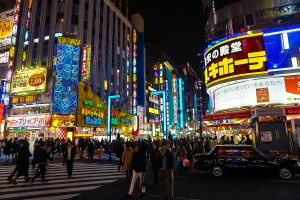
x=34, y=193
x=47, y=186
x=74, y=176
x=63, y=171
x=86, y=176
x=60, y=197
x=22, y=183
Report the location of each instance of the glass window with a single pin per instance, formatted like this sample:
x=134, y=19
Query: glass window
x=228, y=152
x=247, y=152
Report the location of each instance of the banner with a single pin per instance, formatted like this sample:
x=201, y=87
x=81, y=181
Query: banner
x=29, y=121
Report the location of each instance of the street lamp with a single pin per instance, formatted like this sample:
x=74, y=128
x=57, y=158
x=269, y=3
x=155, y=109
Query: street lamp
x=110, y=97
x=200, y=110
x=163, y=93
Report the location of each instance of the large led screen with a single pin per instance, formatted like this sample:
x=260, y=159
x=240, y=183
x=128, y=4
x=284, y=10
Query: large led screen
x=250, y=93
x=237, y=57
x=282, y=47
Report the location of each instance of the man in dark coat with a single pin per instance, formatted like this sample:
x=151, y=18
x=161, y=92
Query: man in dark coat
x=138, y=163
x=69, y=156
x=22, y=162
x=42, y=158
x=165, y=160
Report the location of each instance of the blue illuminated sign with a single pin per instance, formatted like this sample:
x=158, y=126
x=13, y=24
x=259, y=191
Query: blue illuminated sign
x=93, y=120
x=282, y=47
x=66, y=79
x=3, y=91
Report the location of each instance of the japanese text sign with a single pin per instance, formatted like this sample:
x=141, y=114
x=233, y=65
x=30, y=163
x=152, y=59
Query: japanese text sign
x=30, y=121
x=85, y=63
x=241, y=56
x=28, y=82
x=6, y=27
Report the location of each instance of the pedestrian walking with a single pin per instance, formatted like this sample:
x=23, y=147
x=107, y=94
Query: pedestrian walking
x=154, y=163
x=119, y=151
x=165, y=160
x=91, y=151
x=181, y=155
x=22, y=162
x=42, y=158
x=126, y=160
x=7, y=149
x=139, y=163
x=69, y=156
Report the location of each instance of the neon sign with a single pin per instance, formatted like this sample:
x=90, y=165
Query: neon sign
x=241, y=56
x=93, y=120
x=66, y=76
x=86, y=63
x=134, y=74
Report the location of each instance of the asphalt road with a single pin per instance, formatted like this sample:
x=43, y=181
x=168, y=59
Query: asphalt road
x=196, y=185
x=193, y=185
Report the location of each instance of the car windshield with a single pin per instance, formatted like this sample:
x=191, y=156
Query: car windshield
x=211, y=151
x=264, y=155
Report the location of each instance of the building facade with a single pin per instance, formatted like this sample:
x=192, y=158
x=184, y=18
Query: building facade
x=60, y=45
x=252, y=56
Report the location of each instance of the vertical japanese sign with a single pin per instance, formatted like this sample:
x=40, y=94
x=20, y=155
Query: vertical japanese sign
x=127, y=66
x=16, y=18
x=85, y=63
x=167, y=102
x=174, y=88
x=134, y=78
x=3, y=91
x=6, y=27
x=237, y=57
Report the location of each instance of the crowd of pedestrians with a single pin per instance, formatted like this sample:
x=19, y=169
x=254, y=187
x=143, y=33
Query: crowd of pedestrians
x=150, y=162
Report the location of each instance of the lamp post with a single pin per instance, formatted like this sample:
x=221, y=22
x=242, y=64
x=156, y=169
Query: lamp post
x=163, y=93
x=110, y=97
x=200, y=110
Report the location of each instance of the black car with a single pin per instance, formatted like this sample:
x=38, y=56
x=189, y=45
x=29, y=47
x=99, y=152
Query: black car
x=244, y=157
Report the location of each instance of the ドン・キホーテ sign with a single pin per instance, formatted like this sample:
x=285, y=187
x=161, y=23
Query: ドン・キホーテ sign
x=237, y=57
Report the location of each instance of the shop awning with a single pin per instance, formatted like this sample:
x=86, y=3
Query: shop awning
x=292, y=110
x=227, y=115
x=240, y=122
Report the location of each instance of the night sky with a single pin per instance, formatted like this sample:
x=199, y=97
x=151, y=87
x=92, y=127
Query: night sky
x=177, y=25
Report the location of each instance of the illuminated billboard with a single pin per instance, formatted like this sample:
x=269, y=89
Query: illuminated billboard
x=255, y=92
x=6, y=27
x=282, y=47
x=66, y=76
x=237, y=57
x=28, y=82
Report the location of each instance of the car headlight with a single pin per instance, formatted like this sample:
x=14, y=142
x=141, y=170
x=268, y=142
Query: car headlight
x=298, y=163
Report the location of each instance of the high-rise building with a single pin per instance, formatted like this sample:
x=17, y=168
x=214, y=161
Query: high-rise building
x=252, y=65
x=62, y=43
